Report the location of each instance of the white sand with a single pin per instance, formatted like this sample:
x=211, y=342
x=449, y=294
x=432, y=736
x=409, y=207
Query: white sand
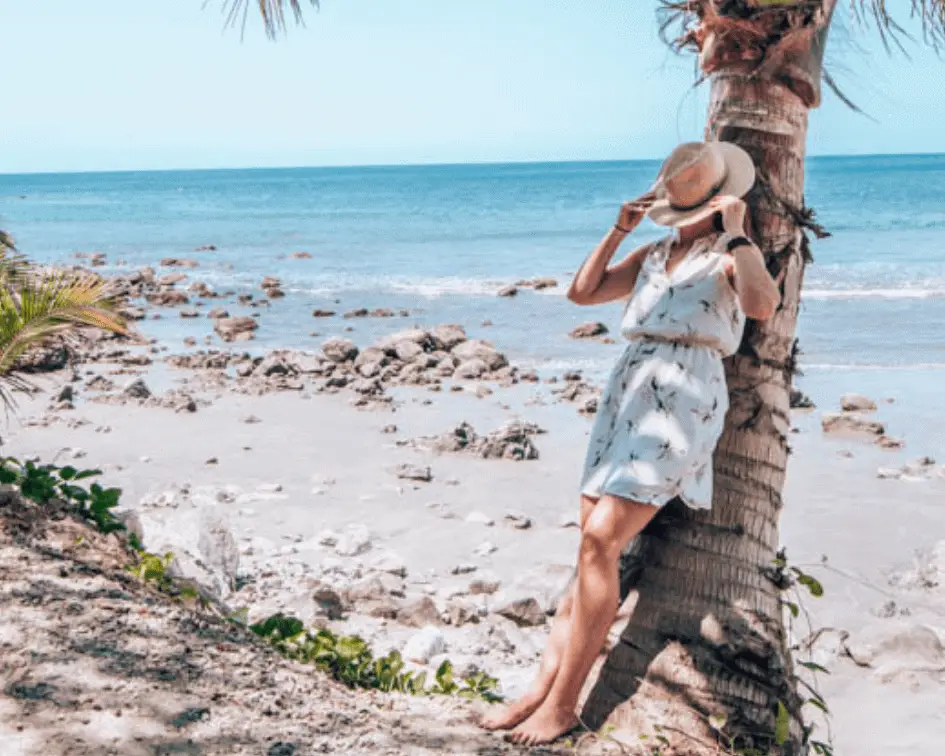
x=835, y=507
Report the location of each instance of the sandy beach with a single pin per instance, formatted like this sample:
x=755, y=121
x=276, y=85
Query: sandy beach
x=271, y=485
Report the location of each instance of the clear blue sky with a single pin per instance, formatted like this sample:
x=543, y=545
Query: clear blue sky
x=127, y=84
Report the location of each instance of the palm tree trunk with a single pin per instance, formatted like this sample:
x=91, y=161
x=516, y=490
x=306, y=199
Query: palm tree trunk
x=706, y=638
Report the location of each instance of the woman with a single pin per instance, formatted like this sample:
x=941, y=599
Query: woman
x=664, y=406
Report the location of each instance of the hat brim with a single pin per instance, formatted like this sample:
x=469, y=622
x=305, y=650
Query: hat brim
x=740, y=178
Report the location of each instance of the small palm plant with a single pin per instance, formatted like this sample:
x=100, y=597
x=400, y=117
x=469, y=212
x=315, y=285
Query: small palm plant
x=39, y=304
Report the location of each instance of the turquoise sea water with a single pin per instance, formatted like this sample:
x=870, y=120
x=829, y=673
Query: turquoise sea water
x=440, y=240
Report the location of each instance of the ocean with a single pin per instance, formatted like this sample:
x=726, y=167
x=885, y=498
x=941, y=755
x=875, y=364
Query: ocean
x=441, y=240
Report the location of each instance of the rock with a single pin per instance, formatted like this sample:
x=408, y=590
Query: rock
x=218, y=313
x=390, y=562
x=323, y=313
x=389, y=429
x=190, y=314
x=463, y=569
x=171, y=279
x=251, y=420
x=857, y=403
x=484, y=586
x=219, y=552
x=481, y=350
x=449, y=336
x=888, y=442
x=168, y=298
x=898, y=649
x=462, y=611
x=412, y=472
x=235, y=329
x=100, y=383
x=800, y=400
x=518, y=520
x=419, y=613
x=589, y=331
x=424, y=645
x=367, y=386
x=301, y=256
x=137, y=389
x=524, y=612
x=512, y=441
x=366, y=589
x=408, y=351
x=328, y=538
x=471, y=369
x=479, y=518
x=543, y=283
x=207, y=248
x=568, y=521
x=175, y=262
x=589, y=406
x=926, y=573
x=508, y=291
x=65, y=394
x=852, y=425
x=340, y=350
x=355, y=540
x=485, y=549
x=269, y=488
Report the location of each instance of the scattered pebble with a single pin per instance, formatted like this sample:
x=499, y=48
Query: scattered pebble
x=479, y=518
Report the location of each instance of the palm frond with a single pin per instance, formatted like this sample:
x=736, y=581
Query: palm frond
x=42, y=306
x=929, y=13
x=685, y=15
x=274, y=13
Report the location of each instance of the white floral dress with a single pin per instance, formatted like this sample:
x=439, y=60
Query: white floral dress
x=664, y=407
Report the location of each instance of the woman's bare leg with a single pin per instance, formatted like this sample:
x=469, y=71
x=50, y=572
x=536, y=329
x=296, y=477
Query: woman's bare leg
x=612, y=523
x=518, y=711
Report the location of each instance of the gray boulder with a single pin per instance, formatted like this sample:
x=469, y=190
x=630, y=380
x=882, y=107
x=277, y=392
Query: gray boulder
x=340, y=350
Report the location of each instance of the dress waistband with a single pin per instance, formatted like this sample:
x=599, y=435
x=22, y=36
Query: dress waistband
x=688, y=342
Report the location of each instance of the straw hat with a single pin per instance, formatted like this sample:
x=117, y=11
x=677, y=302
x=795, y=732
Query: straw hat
x=693, y=175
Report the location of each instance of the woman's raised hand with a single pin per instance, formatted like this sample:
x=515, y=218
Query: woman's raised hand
x=733, y=210
x=632, y=212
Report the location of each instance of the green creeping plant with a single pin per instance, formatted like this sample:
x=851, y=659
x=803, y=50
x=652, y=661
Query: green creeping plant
x=349, y=659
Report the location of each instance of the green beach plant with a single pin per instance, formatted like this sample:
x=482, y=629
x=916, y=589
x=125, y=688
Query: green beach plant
x=349, y=660
x=38, y=304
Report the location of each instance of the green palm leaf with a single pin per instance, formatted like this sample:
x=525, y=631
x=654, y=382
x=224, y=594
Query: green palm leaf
x=37, y=306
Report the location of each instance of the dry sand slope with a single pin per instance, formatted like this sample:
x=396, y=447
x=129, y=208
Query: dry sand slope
x=94, y=663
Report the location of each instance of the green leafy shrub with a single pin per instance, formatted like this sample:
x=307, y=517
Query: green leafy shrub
x=47, y=483
x=349, y=659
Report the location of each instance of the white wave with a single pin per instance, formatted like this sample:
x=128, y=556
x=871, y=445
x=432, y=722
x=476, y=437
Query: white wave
x=901, y=293
x=853, y=367
x=438, y=287
x=603, y=365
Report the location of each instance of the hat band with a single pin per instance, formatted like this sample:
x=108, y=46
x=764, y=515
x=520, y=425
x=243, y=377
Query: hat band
x=712, y=192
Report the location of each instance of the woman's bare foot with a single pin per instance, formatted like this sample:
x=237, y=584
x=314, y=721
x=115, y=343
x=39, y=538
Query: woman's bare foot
x=546, y=725
x=515, y=713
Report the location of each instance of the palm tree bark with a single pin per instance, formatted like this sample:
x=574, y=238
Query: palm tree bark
x=707, y=638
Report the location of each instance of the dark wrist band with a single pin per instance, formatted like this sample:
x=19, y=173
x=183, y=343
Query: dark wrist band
x=738, y=241
x=621, y=229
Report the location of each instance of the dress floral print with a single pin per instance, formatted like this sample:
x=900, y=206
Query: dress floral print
x=664, y=407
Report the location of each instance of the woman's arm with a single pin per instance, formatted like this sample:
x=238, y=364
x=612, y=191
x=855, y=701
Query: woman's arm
x=757, y=291
x=595, y=282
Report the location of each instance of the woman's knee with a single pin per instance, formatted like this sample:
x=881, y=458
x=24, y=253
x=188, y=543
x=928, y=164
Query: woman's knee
x=599, y=541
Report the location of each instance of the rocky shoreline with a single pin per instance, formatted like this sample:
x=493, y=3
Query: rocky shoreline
x=416, y=532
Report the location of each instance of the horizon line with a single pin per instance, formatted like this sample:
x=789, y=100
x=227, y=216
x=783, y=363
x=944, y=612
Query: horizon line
x=449, y=164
